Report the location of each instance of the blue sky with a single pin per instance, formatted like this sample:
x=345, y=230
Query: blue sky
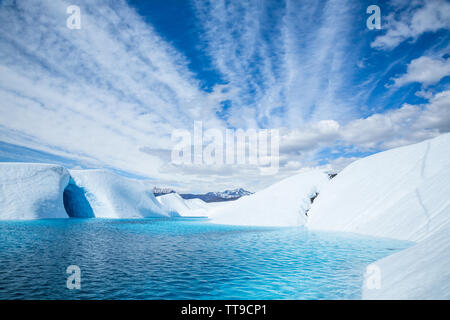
x=110, y=94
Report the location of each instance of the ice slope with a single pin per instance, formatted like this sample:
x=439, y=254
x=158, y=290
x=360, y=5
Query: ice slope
x=419, y=272
x=197, y=204
x=282, y=204
x=32, y=191
x=402, y=193
x=173, y=202
x=113, y=196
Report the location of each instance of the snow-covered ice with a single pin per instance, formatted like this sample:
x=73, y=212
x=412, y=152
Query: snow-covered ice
x=38, y=191
x=32, y=191
x=282, y=204
x=401, y=193
x=173, y=202
x=419, y=272
x=114, y=196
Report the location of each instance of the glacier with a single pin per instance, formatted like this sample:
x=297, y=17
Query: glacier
x=114, y=196
x=282, y=204
x=401, y=193
x=173, y=202
x=419, y=272
x=42, y=191
x=32, y=191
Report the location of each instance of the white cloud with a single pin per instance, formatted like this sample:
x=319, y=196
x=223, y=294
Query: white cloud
x=380, y=131
x=309, y=137
x=110, y=94
x=406, y=125
x=99, y=94
x=425, y=70
x=285, y=63
x=418, y=18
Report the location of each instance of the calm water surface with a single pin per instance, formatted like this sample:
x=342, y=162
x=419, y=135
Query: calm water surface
x=181, y=259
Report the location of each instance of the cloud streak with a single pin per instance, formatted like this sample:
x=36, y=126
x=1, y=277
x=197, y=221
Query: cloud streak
x=111, y=94
x=99, y=93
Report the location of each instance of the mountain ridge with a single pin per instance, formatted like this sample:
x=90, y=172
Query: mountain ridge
x=220, y=196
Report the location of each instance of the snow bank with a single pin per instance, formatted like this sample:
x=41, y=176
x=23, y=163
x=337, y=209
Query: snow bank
x=402, y=193
x=419, y=272
x=113, y=196
x=173, y=202
x=282, y=204
x=32, y=191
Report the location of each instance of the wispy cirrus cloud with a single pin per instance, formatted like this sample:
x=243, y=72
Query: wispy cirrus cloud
x=284, y=60
x=99, y=93
x=111, y=94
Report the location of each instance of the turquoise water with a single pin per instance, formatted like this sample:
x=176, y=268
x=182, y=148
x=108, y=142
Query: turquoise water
x=181, y=259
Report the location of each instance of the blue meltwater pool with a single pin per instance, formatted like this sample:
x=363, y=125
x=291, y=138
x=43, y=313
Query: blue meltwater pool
x=185, y=258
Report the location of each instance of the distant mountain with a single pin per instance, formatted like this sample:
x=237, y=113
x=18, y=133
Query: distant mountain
x=227, y=195
x=230, y=194
x=162, y=191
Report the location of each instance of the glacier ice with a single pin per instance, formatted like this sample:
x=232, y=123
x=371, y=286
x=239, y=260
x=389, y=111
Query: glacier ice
x=173, y=202
x=38, y=191
x=32, y=191
x=75, y=201
x=114, y=196
x=401, y=193
x=419, y=272
x=282, y=204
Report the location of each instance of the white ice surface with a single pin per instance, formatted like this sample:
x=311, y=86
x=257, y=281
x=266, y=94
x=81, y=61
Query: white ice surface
x=32, y=191
x=114, y=196
x=419, y=272
x=282, y=204
x=173, y=202
x=403, y=193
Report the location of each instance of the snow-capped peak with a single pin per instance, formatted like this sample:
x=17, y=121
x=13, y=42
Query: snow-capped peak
x=231, y=194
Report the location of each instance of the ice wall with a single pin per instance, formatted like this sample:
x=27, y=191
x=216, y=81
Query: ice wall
x=76, y=202
x=113, y=196
x=37, y=191
x=32, y=191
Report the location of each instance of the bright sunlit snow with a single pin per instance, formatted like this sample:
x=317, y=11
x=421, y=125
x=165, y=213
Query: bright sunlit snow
x=282, y=204
x=402, y=193
x=173, y=202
